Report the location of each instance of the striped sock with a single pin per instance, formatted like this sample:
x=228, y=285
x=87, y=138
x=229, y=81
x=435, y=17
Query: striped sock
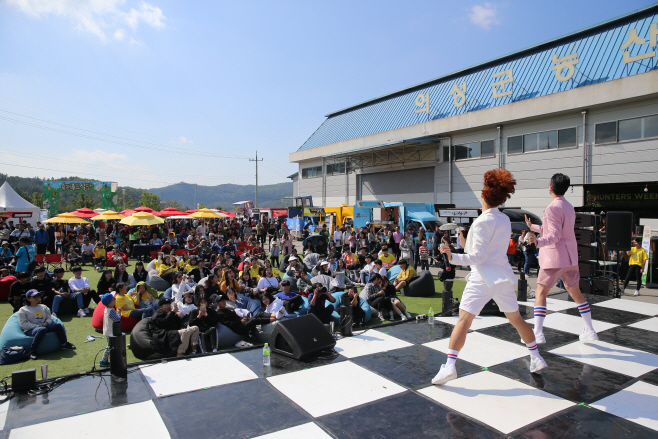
x=586, y=314
x=534, y=353
x=452, y=357
x=540, y=315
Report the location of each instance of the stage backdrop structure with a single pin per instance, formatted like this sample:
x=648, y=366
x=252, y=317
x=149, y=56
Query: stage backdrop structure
x=52, y=189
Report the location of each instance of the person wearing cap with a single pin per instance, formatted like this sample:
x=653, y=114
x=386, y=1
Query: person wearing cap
x=166, y=328
x=36, y=321
x=110, y=316
x=407, y=274
x=6, y=255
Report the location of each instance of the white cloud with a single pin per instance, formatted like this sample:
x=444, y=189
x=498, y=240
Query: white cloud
x=484, y=15
x=101, y=158
x=182, y=139
x=95, y=16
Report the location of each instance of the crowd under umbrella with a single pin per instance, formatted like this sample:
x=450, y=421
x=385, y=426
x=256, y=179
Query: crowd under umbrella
x=171, y=211
x=141, y=219
x=108, y=215
x=84, y=212
x=66, y=218
x=206, y=213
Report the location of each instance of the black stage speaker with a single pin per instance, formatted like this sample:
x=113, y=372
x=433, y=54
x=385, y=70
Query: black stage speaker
x=491, y=309
x=585, y=237
x=587, y=269
x=587, y=253
x=301, y=337
x=118, y=362
x=619, y=231
x=23, y=380
x=595, y=286
x=585, y=220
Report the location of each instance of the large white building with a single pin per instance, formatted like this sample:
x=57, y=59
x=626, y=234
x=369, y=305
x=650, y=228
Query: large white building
x=585, y=104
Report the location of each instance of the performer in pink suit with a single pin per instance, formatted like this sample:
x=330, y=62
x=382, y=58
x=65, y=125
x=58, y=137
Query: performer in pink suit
x=558, y=257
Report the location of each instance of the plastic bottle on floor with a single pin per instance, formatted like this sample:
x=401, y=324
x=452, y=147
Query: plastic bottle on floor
x=430, y=315
x=266, y=355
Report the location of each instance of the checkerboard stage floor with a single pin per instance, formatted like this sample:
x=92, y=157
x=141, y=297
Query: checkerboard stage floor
x=378, y=385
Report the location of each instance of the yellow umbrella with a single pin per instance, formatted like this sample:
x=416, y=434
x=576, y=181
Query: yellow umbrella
x=141, y=219
x=66, y=218
x=108, y=215
x=205, y=213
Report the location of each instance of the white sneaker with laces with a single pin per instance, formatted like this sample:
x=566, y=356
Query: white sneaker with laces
x=381, y=317
x=447, y=373
x=408, y=315
x=281, y=313
x=588, y=336
x=403, y=317
x=537, y=364
x=81, y=313
x=636, y=293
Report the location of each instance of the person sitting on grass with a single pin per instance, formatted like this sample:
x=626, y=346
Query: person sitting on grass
x=73, y=258
x=377, y=297
x=291, y=301
x=18, y=290
x=106, y=284
x=44, y=285
x=147, y=296
x=199, y=271
x=186, y=305
x=126, y=304
x=407, y=274
x=246, y=325
x=36, y=321
x=110, y=316
x=318, y=301
x=351, y=298
x=80, y=284
x=206, y=319
x=397, y=306
x=100, y=256
x=140, y=274
x=121, y=275
x=167, y=331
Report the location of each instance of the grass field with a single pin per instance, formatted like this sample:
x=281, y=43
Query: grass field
x=82, y=359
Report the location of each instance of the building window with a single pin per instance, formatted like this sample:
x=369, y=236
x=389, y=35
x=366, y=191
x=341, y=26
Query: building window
x=336, y=168
x=567, y=138
x=313, y=172
x=515, y=145
x=605, y=132
x=628, y=129
x=473, y=150
x=553, y=139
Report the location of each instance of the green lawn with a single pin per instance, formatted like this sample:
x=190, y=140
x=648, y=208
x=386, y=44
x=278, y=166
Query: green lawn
x=82, y=359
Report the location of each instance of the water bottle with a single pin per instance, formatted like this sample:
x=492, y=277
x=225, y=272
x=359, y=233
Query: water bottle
x=266, y=355
x=430, y=315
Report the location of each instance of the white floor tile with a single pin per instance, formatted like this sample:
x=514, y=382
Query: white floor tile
x=609, y=356
x=314, y=389
x=636, y=403
x=304, y=431
x=649, y=324
x=196, y=373
x=479, y=322
x=552, y=304
x=572, y=324
x=372, y=342
x=483, y=350
x=648, y=309
x=126, y=421
x=498, y=401
x=4, y=407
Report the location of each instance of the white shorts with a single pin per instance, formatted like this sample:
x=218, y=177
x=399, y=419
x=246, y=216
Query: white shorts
x=477, y=294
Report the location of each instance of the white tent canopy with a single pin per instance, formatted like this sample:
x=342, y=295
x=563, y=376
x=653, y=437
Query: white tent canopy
x=17, y=206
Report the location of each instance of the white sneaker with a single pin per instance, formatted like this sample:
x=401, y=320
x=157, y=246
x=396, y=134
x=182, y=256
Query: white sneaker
x=403, y=317
x=408, y=315
x=537, y=364
x=588, y=336
x=539, y=338
x=86, y=310
x=381, y=317
x=446, y=374
x=636, y=293
x=281, y=313
x=81, y=313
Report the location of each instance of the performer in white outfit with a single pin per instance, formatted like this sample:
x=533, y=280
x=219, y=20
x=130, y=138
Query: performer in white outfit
x=491, y=276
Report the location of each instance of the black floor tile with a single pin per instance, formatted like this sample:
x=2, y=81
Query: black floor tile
x=585, y=423
x=591, y=298
x=81, y=395
x=610, y=315
x=413, y=366
x=651, y=377
x=526, y=311
x=280, y=364
x=635, y=338
x=565, y=378
x=554, y=338
x=408, y=415
x=247, y=409
x=418, y=331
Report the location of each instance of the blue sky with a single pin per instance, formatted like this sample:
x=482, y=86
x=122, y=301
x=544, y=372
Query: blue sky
x=148, y=93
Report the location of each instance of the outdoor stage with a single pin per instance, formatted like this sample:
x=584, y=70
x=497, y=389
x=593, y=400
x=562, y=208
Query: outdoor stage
x=379, y=387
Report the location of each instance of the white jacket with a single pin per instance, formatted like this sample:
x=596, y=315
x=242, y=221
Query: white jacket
x=486, y=248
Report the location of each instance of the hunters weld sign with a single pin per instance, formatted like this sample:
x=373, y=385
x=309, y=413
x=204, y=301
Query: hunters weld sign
x=621, y=196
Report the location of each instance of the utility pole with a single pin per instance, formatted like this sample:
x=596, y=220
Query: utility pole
x=256, y=160
x=124, y=199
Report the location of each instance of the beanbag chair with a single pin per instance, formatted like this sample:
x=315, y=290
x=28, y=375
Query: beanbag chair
x=151, y=267
x=141, y=343
x=423, y=286
x=393, y=272
x=363, y=304
x=110, y=262
x=5, y=285
x=158, y=283
x=127, y=323
x=226, y=337
x=13, y=335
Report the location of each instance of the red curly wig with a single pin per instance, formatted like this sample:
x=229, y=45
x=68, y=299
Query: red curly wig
x=498, y=186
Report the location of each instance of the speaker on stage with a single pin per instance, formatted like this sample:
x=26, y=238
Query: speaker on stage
x=586, y=220
x=619, y=231
x=587, y=253
x=587, y=269
x=585, y=237
x=300, y=337
x=491, y=309
x=118, y=362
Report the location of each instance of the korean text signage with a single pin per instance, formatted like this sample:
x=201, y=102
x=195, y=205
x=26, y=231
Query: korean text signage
x=619, y=197
x=370, y=204
x=52, y=189
x=458, y=213
x=621, y=50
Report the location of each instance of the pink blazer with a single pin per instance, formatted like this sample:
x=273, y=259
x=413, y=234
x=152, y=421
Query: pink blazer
x=557, y=243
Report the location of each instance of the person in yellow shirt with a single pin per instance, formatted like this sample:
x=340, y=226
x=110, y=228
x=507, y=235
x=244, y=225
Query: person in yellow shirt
x=253, y=269
x=100, y=255
x=388, y=259
x=636, y=264
x=405, y=277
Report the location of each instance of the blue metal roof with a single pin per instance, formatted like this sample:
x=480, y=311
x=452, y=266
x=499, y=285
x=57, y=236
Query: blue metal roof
x=599, y=54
